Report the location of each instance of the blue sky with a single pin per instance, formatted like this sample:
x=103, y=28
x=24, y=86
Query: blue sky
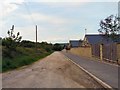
x=58, y=21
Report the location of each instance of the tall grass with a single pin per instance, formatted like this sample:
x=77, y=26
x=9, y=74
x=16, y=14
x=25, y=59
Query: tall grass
x=22, y=56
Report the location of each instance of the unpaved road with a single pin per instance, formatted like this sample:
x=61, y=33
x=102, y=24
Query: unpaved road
x=54, y=71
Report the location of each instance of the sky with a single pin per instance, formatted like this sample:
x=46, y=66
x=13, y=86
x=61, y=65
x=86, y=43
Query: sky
x=58, y=21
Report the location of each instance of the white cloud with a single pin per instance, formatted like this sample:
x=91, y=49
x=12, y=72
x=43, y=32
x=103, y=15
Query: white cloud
x=8, y=6
x=74, y=0
x=44, y=34
x=63, y=4
x=56, y=39
x=51, y=19
x=28, y=33
x=58, y=0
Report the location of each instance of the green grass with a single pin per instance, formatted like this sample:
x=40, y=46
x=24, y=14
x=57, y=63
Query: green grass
x=22, y=57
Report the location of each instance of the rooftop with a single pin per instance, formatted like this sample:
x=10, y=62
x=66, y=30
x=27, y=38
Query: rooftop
x=98, y=38
x=75, y=43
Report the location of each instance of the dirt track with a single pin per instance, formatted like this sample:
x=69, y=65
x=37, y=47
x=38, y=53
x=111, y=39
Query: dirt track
x=54, y=71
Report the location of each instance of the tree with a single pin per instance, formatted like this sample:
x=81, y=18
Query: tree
x=12, y=41
x=57, y=47
x=110, y=26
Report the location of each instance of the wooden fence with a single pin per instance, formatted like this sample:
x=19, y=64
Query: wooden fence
x=109, y=52
x=106, y=52
x=118, y=52
x=96, y=51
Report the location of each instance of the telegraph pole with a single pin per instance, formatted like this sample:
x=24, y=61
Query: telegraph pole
x=36, y=38
x=85, y=31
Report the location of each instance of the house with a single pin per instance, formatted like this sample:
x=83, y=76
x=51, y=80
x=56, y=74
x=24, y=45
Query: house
x=102, y=46
x=75, y=43
x=92, y=39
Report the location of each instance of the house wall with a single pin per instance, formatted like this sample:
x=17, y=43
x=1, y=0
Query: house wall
x=85, y=42
x=82, y=51
x=118, y=52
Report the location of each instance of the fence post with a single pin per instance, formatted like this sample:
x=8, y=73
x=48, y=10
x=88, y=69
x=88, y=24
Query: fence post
x=101, y=51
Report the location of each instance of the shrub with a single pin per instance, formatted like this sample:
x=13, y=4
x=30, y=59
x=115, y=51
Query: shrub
x=57, y=47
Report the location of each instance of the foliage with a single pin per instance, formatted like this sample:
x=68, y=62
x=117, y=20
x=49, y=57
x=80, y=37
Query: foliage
x=16, y=53
x=23, y=56
x=110, y=26
x=12, y=41
x=45, y=45
x=57, y=47
x=28, y=44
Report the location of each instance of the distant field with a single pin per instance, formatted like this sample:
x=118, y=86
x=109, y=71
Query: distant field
x=20, y=57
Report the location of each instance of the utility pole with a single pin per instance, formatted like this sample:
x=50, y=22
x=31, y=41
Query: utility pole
x=85, y=31
x=36, y=38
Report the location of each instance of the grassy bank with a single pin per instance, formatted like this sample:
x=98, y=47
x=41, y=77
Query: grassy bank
x=20, y=57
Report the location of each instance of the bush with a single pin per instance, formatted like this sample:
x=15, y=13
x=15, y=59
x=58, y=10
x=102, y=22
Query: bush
x=16, y=53
x=48, y=49
x=22, y=56
x=28, y=44
x=57, y=47
x=11, y=43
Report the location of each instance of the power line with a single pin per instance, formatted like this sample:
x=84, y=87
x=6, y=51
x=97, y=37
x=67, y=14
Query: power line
x=29, y=12
x=27, y=8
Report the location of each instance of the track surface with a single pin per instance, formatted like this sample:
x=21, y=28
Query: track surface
x=54, y=71
x=106, y=72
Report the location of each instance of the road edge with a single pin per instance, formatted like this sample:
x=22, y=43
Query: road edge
x=105, y=85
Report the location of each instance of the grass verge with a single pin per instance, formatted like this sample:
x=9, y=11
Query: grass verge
x=21, y=57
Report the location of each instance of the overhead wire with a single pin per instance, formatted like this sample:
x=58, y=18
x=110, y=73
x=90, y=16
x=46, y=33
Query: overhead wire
x=29, y=12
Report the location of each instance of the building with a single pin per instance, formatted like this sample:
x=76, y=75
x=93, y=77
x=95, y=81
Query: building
x=92, y=39
x=75, y=43
x=103, y=47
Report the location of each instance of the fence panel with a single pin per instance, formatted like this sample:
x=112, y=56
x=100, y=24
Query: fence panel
x=96, y=50
x=110, y=52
